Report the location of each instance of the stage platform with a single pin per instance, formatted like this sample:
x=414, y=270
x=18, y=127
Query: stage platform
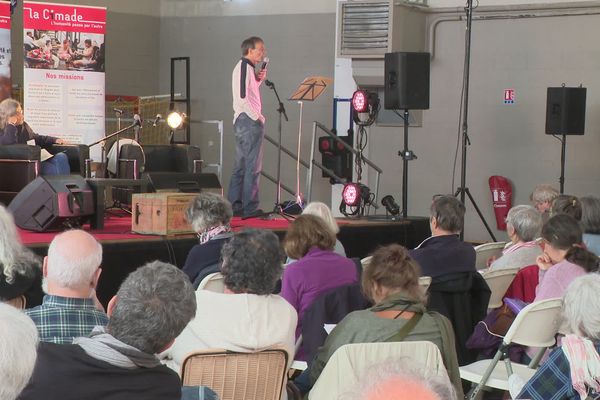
x=125, y=251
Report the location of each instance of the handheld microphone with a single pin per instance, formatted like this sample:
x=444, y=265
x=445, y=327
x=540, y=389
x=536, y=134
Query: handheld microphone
x=157, y=119
x=264, y=63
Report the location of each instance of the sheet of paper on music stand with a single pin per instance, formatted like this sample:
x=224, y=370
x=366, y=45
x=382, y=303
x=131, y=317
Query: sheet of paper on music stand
x=311, y=88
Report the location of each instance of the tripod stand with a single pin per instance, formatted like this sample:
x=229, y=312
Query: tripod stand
x=463, y=190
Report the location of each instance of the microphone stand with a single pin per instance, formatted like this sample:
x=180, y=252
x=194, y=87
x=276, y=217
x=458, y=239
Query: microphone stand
x=278, y=209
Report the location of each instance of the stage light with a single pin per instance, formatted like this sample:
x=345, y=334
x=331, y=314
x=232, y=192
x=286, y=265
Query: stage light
x=390, y=205
x=175, y=119
x=359, y=101
x=351, y=194
x=365, y=106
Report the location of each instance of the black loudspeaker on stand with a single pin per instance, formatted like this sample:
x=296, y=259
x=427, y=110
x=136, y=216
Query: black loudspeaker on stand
x=565, y=115
x=53, y=203
x=406, y=88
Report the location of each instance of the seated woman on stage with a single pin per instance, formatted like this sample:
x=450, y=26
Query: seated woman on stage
x=318, y=269
x=391, y=281
x=210, y=215
x=571, y=371
x=20, y=269
x=14, y=130
x=523, y=226
x=246, y=317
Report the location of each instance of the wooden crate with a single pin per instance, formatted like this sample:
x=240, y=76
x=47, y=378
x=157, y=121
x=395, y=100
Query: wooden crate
x=160, y=213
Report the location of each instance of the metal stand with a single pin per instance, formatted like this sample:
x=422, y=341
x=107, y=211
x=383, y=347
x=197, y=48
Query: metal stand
x=463, y=190
x=563, y=152
x=407, y=155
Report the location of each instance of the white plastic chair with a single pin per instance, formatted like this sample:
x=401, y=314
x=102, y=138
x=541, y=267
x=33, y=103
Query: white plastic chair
x=499, y=281
x=351, y=361
x=366, y=261
x=536, y=326
x=214, y=282
x=485, y=251
x=424, y=282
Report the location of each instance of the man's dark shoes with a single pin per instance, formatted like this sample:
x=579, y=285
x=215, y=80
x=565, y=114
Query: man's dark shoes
x=256, y=213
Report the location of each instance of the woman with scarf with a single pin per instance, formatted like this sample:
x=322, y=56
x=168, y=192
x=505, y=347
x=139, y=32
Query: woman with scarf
x=210, y=215
x=572, y=371
x=391, y=281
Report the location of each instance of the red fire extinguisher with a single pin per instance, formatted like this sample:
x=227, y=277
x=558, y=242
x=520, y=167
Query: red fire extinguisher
x=501, y=198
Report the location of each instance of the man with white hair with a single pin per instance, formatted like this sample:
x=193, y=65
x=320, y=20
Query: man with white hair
x=18, y=343
x=71, y=272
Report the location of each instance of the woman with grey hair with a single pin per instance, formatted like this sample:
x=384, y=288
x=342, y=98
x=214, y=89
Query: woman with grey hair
x=523, y=226
x=590, y=223
x=246, y=317
x=572, y=371
x=14, y=130
x=210, y=215
x=20, y=269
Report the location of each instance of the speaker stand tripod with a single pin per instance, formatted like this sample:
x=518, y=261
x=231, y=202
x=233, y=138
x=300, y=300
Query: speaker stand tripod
x=463, y=190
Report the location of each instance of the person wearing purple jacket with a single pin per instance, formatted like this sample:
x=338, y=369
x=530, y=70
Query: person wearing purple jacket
x=318, y=269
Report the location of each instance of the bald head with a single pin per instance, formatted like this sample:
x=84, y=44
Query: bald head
x=74, y=258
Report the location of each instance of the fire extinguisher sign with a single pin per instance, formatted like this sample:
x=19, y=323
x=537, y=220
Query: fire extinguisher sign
x=509, y=96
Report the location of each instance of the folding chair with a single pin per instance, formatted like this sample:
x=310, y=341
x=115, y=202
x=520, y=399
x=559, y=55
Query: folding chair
x=485, y=251
x=499, y=281
x=424, y=282
x=536, y=325
x=235, y=376
x=352, y=361
x=214, y=282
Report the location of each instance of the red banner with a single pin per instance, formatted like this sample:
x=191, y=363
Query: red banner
x=62, y=17
x=4, y=15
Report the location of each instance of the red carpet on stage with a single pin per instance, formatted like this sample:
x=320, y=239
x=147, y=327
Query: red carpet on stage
x=119, y=228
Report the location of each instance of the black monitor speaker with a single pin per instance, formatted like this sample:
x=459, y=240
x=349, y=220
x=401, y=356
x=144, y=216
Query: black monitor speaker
x=407, y=81
x=565, y=110
x=53, y=203
x=185, y=182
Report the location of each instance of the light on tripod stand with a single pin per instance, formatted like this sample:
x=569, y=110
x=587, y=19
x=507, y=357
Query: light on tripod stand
x=175, y=119
x=365, y=105
x=390, y=205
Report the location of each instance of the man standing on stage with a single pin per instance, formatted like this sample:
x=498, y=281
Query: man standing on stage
x=249, y=127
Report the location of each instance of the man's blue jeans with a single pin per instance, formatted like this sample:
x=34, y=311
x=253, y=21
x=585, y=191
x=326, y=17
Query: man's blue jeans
x=243, y=187
x=57, y=165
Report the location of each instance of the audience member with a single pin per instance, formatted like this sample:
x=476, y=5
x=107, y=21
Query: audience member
x=323, y=211
x=151, y=308
x=20, y=269
x=523, y=226
x=443, y=252
x=391, y=281
x=18, y=343
x=564, y=257
x=71, y=272
x=401, y=379
x=542, y=197
x=318, y=269
x=567, y=204
x=590, y=223
x=246, y=317
x=572, y=370
x=210, y=215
